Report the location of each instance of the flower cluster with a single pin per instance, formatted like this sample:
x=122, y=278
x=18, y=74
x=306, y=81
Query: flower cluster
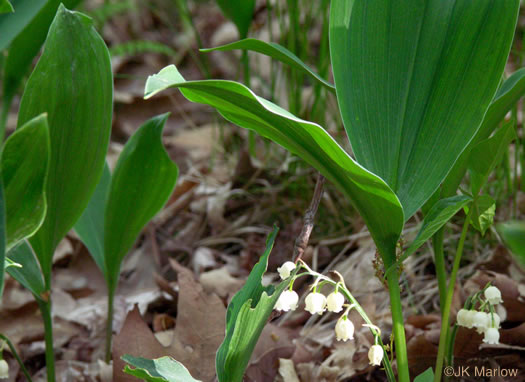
x=485, y=322
x=335, y=302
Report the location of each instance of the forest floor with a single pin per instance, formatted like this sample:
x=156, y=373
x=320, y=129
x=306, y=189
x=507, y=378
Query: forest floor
x=194, y=256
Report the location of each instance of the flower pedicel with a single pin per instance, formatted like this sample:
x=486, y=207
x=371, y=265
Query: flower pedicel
x=317, y=303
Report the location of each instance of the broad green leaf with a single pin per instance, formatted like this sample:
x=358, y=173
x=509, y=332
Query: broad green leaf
x=26, y=45
x=24, y=165
x=142, y=182
x=370, y=195
x=246, y=317
x=513, y=234
x=440, y=213
x=275, y=51
x=487, y=154
x=11, y=24
x=90, y=226
x=3, y=239
x=6, y=7
x=73, y=83
x=164, y=369
x=414, y=80
x=508, y=94
x=426, y=376
x=240, y=12
x=29, y=275
x=483, y=215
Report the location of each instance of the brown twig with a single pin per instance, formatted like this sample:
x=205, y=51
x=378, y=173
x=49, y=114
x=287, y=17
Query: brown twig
x=308, y=225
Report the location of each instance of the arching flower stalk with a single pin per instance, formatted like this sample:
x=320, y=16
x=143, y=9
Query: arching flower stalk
x=338, y=299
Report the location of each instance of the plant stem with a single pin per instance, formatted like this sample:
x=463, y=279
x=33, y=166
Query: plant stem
x=17, y=357
x=45, y=309
x=109, y=323
x=439, y=262
x=398, y=326
x=448, y=301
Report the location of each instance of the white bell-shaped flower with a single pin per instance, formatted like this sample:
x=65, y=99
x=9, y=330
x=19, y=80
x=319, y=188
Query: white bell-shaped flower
x=375, y=355
x=493, y=295
x=481, y=320
x=491, y=336
x=285, y=270
x=315, y=303
x=469, y=319
x=335, y=302
x=344, y=329
x=495, y=320
x=287, y=301
x=4, y=369
x=462, y=318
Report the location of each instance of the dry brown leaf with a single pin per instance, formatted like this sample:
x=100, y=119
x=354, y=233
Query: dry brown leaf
x=135, y=339
x=221, y=282
x=199, y=331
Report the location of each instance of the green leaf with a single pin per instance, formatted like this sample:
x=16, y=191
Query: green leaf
x=144, y=178
x=487, y=154
x=246, y=317
x=3, y=239
x=11, y=24
x=73, y=83
x=24, y=165
x=414, y=80
x=440, y=213
x=29, y=275
x=26, y=45
x=508, y=94
x=483, y=215
x=513, y=234
x=240, y=12
x=90, y=226
x=426, y=376
x=6, y=7
x=370, y=195
x=275, y=51
x=164, y=369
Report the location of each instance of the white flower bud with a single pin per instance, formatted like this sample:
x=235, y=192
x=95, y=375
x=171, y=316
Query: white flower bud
x=344, y=329
x=481, y=320
x=491, y=336
x=4, y=369
x=375, y=355
x=493, y=295
x=286, y=269
x=335, y=301
x=469, y=319
x=287, y=301
x=463, y=318
x=315, y=303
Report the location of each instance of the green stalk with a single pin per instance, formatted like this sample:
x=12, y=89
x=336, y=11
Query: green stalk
x=45, y=309
x=17, y=357
x=448, y=301
x=398, y=326
x=439, y=262
x=109, y=324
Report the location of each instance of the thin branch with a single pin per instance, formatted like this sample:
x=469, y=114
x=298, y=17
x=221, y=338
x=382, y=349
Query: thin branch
x=309, y=217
